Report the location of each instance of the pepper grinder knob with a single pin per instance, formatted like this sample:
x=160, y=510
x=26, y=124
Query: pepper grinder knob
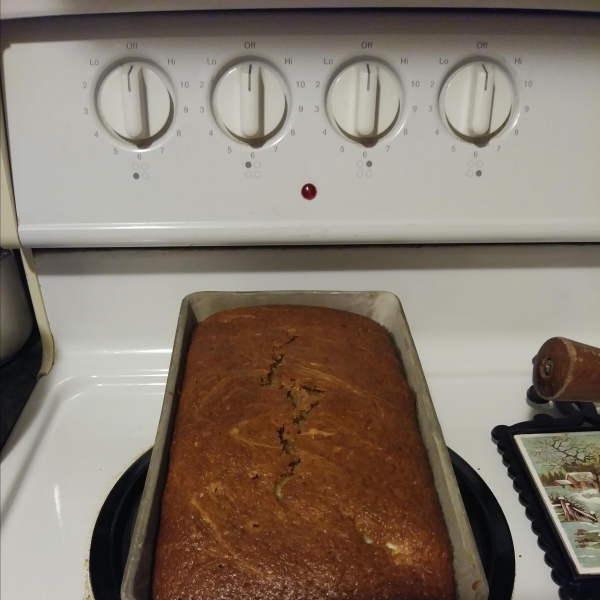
x=567, y=370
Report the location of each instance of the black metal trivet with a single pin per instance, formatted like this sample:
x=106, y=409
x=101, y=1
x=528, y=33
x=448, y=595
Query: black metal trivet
x=114, y=527
x=577, y=416
x=579, y=413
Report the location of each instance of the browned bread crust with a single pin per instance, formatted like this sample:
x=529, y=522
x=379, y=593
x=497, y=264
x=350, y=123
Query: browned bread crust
x=297, y=471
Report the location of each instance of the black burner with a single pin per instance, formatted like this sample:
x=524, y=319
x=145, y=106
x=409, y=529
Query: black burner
x=112, y=533
x=490, y=529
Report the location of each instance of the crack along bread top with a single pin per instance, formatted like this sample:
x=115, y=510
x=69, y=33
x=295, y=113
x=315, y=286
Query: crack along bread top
x=297, y=471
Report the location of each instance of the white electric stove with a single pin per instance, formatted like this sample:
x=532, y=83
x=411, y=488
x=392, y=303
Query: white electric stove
x=157, y=155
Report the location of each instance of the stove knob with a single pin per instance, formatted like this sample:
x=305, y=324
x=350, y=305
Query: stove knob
x=363, y=101
x=477, y=101
x=135, y=103
x=250, y=102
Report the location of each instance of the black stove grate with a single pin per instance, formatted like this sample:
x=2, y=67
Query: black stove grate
x=114, y=527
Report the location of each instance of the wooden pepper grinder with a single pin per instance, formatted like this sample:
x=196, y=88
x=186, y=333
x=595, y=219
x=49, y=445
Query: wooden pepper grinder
x=567, y=370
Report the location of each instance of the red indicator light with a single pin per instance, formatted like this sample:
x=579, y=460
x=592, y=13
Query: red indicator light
x=309, y=191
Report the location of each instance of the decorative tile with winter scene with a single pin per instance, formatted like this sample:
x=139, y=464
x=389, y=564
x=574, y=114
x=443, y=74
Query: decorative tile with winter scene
x=566, y=470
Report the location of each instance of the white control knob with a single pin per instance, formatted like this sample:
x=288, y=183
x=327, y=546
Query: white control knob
x=250, y=103
x=134, y=103
x=478, y=101
x=363, y=101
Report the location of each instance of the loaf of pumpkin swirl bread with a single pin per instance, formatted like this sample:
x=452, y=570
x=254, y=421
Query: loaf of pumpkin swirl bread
x=297, y=470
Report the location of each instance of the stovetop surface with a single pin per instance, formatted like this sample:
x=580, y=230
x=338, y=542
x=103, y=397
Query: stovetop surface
x=76, y=448
x=477, y=315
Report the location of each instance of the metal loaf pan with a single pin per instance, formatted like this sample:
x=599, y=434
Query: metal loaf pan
x=383, y=307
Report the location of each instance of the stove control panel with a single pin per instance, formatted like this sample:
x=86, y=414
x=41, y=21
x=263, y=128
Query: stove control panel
x=304, y=128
